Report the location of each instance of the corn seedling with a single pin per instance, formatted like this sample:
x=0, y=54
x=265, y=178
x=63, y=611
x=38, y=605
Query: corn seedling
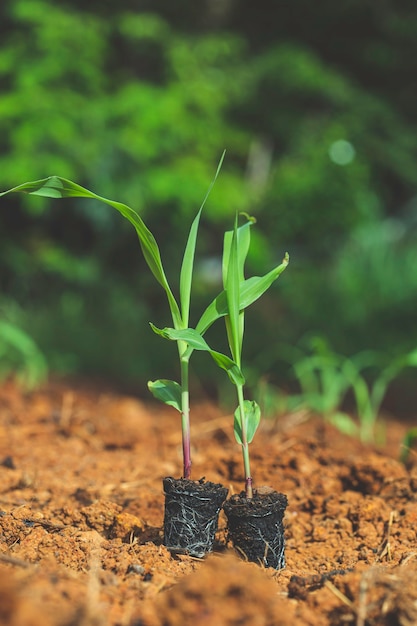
x=170, y=392
x=325, y=378
x=248, y=414
x=239, y=294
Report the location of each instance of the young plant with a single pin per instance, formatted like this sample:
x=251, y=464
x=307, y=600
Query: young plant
x=187, y=339
x=325, y=378
x=248, y=414
x=170, y=392
x=237, y=295
x=369, y=396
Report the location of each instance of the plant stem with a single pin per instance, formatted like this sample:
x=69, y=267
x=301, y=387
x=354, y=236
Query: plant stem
x=245, y=446
x=185, y=415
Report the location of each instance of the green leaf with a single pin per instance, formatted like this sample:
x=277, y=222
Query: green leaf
x=196, y=342
x=226, y=363
x=344, y=423
x=254, y=287
x=189, y=335
x=411, y=359
x=243, y=242
x=58, y=187
x=252, y=417
x=19, y=355
x=232, y=286
x=187, y=266
x=250, y=290
x=186, y=275
x=168, y=391
x=235, y=250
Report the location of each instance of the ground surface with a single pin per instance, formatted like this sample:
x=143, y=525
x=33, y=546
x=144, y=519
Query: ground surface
x=81, y=509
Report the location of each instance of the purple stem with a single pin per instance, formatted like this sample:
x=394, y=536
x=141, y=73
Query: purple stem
x=248, y=487
x=186, y=449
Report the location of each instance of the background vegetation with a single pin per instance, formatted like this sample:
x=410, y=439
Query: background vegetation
x=315, y=105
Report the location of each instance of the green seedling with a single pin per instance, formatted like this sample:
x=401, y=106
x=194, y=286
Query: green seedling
x=248, y=414
x=238, y=294
x=188, y=339
x=370, y=396
x=325, y=378
x=170, y=392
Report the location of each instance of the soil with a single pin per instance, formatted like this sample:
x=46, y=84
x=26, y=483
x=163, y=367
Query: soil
x=81, y=514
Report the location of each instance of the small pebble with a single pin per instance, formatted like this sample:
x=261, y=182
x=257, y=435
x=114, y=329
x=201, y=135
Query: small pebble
x=136, y=569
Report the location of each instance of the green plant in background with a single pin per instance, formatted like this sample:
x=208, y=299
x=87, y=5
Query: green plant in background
x=325, y=378
x=99, y=94
x=369, y=396
x=323, y=383
x=20, y=357
x=407, y=445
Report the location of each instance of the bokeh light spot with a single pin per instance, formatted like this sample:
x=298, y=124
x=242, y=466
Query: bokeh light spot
x=342, y=152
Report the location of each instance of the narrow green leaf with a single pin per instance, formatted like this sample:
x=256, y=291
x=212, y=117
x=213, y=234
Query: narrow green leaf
x=215, y=310
x=243, y=242
x=232, y=286
x=411, y=359
x=167, y=391
x=239, y=240
x=196, y=342
x=159, y=331
x=233, y=370
x=187, y=266
x=344, y=423
x=58, y=187
x=250, y=290
x=252, y=417
x=189, y=335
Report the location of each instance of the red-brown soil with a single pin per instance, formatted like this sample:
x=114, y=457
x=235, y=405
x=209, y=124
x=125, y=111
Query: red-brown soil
x=81, y=509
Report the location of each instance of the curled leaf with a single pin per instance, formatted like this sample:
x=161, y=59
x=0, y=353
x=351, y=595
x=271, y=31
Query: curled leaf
x=251, y=416
x=196, y=342
x=167, y=391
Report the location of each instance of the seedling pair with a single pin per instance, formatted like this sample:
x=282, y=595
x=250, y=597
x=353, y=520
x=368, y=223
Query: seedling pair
x=238, y=293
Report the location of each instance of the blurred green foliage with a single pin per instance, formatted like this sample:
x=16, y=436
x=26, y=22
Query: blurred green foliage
x=20, y=357
x=137, y=100
x=326, y=379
